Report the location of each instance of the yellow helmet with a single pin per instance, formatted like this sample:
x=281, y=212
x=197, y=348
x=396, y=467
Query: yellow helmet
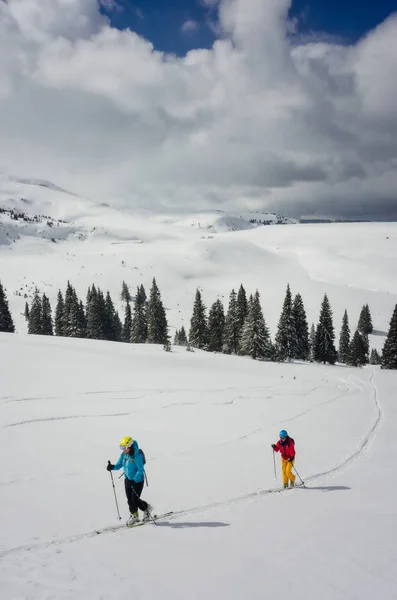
x=126, y=442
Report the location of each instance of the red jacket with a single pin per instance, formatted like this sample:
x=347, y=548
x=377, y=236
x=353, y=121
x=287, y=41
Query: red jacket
x=287, y=448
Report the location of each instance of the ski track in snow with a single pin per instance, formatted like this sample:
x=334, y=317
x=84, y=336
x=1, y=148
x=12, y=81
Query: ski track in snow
x=261, y=429
x=368, y=438
x=178, y=404
x=151, y=394
x=64, y=418
x=155, y=392
x=363, y=447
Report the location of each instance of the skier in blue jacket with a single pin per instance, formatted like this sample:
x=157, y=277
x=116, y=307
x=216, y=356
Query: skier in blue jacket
x=132, y=462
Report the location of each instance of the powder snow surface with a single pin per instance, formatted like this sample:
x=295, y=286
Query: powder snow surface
x=206, y=423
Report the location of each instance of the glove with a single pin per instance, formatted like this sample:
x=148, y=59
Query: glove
x=273, y=446
x=109, y=467
x=291, y=459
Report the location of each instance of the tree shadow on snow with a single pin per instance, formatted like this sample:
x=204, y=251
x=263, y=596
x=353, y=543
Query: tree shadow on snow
x=179, y=525
x=327, y=488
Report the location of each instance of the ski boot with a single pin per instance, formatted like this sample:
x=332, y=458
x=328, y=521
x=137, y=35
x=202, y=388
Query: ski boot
x=147, y=514
x=133, y=520
x=292, y=484
x=285, y=485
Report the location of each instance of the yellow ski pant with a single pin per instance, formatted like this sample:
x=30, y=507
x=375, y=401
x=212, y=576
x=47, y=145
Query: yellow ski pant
x=286, y=468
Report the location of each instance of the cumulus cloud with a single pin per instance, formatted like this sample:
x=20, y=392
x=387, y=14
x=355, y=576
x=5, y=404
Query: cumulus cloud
x=260, y=120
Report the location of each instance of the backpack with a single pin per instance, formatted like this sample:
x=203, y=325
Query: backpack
x=144, y=463
x=141, y=452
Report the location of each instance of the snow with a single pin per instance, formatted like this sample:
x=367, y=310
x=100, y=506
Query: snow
x=206, y=423
x=354, y=263
x=217, y=221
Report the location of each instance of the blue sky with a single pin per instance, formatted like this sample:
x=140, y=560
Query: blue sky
x=161, y=21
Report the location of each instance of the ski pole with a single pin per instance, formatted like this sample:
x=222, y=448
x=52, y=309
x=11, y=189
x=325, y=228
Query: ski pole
x=302, y=482
x=274, y=464
x=114, y=491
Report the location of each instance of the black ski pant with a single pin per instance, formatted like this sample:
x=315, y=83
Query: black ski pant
x=133, y=491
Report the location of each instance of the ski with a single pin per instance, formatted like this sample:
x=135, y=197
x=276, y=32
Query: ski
x=153, y=520
x=283, y=489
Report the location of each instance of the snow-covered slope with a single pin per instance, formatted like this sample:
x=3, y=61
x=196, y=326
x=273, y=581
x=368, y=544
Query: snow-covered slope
x=218, y=221
x=206, y=424
x=87, y=243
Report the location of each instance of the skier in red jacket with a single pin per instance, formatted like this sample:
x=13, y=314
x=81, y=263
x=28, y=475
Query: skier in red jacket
x=286, y=447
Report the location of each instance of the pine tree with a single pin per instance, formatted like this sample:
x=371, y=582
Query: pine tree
x=324, y=348
x=6, y=321
x=365, y=339
x=180, y=338
x=286, y=338
x=126, y=333
x=374, y=358
x=125, y=293
x=301, y=329
x=67, y=309
x=75, y=326
x=365, y=321
x=389, y=354
x=216, y=326
x=183, y=341
x=157, y=326
x=344, y=340
x=70, y=320
x=198, y=334
x=59, y=315
x=35, y=326
x=231, y=339
x=312, y=341
x=117, y=328
x=241, y=311
x=358, y=351
x=255, y=338
x=26, y=311
x=113, y=327
x=46, y=316
x=102, y=314
x=139, y=328
x=95, y=314
x=82, y=320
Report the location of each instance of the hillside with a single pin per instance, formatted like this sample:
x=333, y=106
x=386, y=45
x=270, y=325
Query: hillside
x=206, y=424
x=89, y=243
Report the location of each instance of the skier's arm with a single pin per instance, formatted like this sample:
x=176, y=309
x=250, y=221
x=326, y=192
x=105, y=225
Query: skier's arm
x=139, y=475
x=293, y=451
x=119, y=463
x=276, y=447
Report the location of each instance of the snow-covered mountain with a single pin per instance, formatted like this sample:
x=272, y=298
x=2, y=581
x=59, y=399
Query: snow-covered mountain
x=218, y=221
x=49, y=236
x=44, y=205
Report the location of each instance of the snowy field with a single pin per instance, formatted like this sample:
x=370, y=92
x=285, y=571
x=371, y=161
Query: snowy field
x=206, y=424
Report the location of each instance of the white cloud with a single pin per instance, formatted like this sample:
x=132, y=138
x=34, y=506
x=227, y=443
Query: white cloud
x=189, y=26
x=258, y=120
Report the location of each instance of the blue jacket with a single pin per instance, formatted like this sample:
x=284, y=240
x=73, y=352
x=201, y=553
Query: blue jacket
x=132, y=465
